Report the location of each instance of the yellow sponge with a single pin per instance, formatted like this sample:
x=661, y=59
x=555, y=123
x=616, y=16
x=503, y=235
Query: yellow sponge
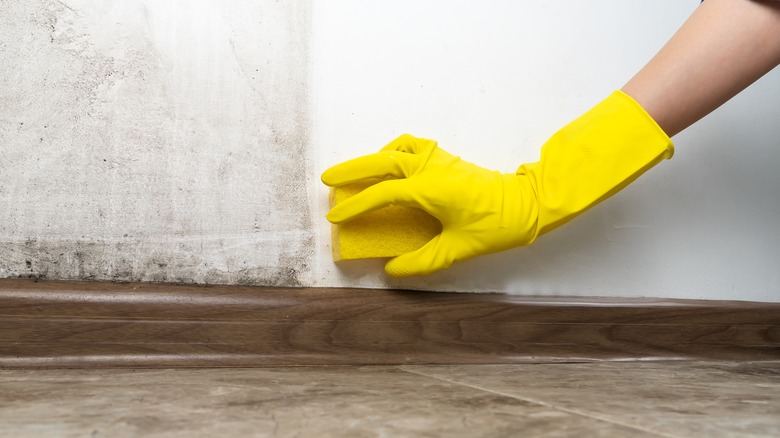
x=388, y=232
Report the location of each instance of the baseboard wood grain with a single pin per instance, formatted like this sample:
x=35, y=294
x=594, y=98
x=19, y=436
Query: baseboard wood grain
x=45, y=324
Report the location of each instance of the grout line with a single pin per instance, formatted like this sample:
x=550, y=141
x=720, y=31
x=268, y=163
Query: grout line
x=541, y=403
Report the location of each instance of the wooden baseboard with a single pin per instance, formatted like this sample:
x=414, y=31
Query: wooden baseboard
x=90, y=324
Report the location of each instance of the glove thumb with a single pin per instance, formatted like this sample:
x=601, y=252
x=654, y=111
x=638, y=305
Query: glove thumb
x=434, y=256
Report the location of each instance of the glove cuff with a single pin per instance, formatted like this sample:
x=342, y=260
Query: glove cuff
x=593, y=158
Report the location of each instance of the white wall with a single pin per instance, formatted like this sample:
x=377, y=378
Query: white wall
x=182, y=140
x=491, y=81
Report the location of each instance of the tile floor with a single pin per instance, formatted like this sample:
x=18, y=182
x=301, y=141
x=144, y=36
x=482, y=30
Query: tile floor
x=621, y=399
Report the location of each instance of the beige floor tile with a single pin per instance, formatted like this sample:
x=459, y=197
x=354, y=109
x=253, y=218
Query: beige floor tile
x=284, y=402
x=681, y=399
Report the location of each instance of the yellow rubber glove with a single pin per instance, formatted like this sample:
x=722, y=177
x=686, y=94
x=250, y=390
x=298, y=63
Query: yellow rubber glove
x=484, y=211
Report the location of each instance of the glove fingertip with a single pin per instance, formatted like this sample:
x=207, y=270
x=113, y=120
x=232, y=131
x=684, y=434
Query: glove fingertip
x=328, y=178
x=403, y=266
x=398, y=269
x=432, y=257
x=334, y=216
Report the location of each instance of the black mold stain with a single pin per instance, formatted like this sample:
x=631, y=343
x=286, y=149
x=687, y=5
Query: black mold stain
x=110, y=261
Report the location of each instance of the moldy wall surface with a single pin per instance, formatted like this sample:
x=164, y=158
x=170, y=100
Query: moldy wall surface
x=155, y=141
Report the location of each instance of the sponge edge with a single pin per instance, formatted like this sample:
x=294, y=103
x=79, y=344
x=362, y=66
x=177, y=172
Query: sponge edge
x=387, y=232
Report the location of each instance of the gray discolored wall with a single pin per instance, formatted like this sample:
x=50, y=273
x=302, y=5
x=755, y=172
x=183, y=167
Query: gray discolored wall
x=155, y=141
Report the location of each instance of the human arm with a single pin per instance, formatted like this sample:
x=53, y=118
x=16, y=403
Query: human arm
x=723, y=47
